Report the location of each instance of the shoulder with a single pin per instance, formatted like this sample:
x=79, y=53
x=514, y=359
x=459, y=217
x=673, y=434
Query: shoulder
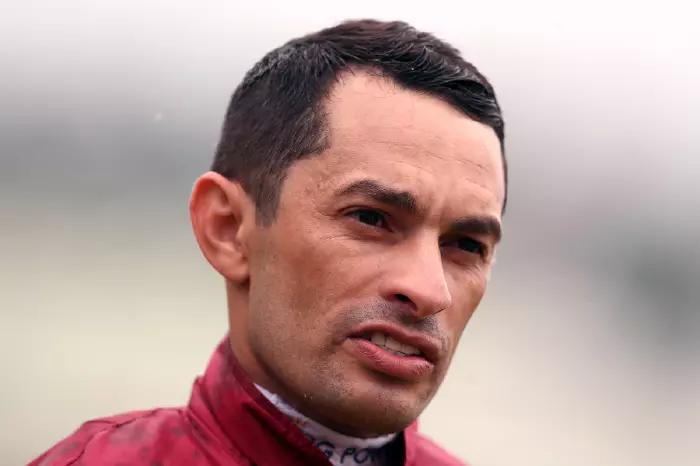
x=133, y=438
x=428, y=452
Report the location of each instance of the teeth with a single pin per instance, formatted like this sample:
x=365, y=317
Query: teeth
x=378, y=338
x=388, y=343
x=392, y=344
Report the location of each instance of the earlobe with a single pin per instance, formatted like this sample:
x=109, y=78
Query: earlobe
x=222, y=217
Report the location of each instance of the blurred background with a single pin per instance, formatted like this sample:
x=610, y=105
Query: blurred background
x=586, y=350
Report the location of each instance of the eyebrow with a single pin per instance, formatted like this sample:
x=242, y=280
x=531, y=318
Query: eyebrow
x=406, y=201
x=402, y=200
x=478, y=225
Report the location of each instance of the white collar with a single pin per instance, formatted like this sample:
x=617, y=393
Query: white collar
x=341, y=450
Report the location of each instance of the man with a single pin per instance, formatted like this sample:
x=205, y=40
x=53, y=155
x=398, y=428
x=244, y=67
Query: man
x=353, y=208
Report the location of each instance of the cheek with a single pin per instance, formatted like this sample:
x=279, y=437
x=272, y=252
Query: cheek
x=467, y=293
x=300, y=276
x=284, y=322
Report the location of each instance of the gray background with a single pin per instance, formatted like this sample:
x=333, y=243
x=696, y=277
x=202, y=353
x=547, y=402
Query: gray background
x=586, y=349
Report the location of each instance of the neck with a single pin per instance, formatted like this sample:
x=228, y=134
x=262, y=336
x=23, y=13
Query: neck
x=341, y=450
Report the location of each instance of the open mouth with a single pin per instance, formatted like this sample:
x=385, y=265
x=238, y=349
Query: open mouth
x=394, y=350
x=387, y=343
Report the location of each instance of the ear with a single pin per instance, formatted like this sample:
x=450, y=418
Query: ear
x=223, y=219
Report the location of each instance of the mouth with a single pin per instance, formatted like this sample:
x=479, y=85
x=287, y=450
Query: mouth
x=388, y=343
x=394, y=351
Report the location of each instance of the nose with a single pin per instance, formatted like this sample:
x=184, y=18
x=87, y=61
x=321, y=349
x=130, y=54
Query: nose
x=415, y=275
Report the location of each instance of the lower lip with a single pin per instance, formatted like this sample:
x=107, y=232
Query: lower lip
x=411, y=368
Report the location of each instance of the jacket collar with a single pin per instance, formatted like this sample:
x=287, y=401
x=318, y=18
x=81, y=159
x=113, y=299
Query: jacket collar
x=225, y=403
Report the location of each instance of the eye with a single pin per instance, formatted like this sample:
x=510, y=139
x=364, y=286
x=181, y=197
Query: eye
x=369, y=217
x=470, y=245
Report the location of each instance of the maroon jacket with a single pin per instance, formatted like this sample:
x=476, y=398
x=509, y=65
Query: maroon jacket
x=227, y=422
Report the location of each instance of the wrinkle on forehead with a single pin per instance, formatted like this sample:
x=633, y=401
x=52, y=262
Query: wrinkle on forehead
x=412, y=149
x=415, y=155
x=433, y=178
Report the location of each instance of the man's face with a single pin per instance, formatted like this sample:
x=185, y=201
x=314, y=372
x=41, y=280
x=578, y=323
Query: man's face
x=379, y=254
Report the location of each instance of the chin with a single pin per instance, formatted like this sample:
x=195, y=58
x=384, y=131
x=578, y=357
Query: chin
x=378, y=406
x=350, y=399
x=375, y=419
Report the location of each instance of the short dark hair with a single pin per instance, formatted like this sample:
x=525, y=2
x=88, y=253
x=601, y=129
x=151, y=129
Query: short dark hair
x=276, y=115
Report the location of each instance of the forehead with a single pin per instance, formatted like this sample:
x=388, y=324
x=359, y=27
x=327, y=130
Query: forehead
x=411, y=140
